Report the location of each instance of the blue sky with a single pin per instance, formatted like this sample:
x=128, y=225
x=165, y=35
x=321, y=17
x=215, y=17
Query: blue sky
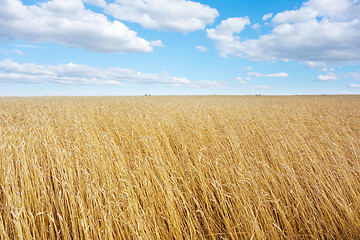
x=177, y=47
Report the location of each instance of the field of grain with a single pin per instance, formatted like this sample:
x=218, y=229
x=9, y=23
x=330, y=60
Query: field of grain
x=180, y=167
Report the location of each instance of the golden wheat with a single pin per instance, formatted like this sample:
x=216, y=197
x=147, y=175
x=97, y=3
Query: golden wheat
x=202, y=167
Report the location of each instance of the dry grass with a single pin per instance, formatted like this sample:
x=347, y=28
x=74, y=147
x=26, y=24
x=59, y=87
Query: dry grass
x=212, y=167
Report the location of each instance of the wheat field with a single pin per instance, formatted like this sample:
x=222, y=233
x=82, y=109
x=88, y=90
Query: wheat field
x=180, y=167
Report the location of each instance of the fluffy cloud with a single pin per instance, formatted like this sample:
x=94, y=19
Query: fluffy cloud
x=328, y=77
x=321, y=30
x=255, y=26
x=279, y=75
x=224, y=34
x=173, y=15
x=71, y=73
x=67, y=22
x=267, y=16
x=227, y=28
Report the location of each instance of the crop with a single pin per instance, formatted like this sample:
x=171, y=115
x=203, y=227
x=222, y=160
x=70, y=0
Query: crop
x=180, y=167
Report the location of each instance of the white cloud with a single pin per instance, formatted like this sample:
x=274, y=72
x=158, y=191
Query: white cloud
x=267, y=16
x=71, y=73
x=225, y=36
x=278, y=75
x=255, y=74
x=255, y=26
x=7, y=52
x=171, y=15
x=327, y=69
x=320, y=31
x=303, y=15
x=241, y=81
x=227, y=28
x=312, y=64
x=354, y=85
x=17, y=51
x=328, y=77
x=67, y=22
x=157, y=43
x=201, y=48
